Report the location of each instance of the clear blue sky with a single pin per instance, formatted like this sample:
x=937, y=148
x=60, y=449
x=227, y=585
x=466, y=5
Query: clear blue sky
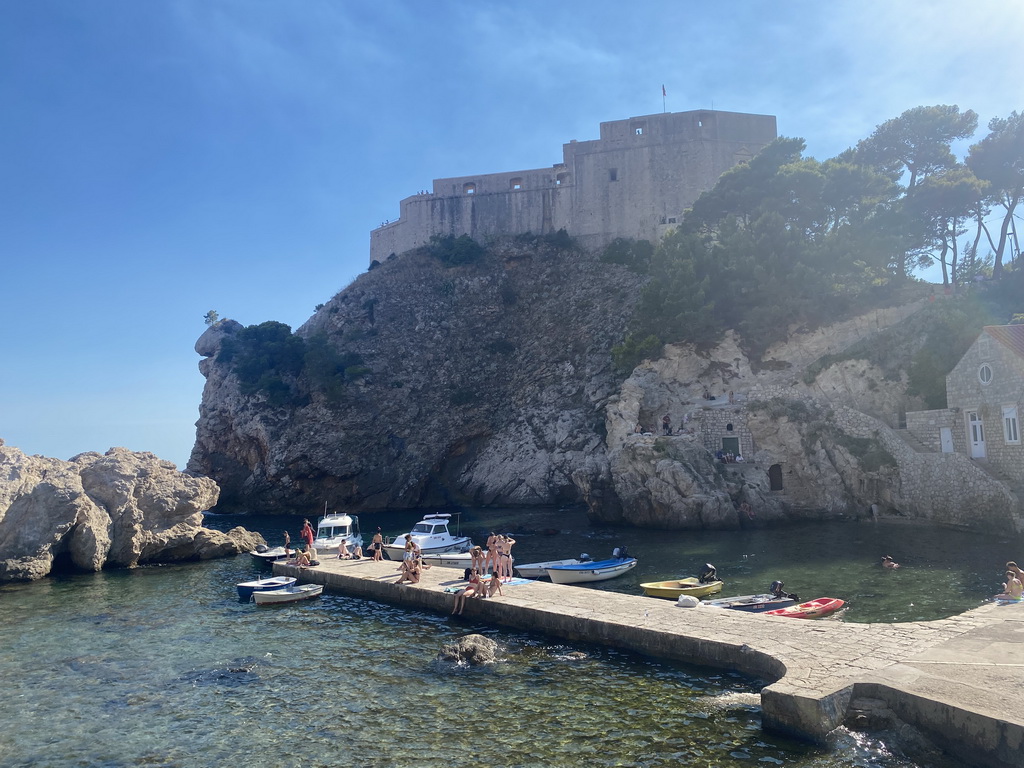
x=161, y=159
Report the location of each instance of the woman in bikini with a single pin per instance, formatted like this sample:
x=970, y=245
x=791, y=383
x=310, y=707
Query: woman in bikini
x=491, y=557
x=507, y=550
x=471, y=589
x=494, y=585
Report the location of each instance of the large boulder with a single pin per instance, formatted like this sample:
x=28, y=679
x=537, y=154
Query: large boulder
x=470, y=649
x=120, y=508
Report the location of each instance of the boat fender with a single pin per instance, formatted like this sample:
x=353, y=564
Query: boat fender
x=687, y=601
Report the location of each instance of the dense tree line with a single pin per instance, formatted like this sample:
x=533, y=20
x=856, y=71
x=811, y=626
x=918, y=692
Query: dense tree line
x=786, y=240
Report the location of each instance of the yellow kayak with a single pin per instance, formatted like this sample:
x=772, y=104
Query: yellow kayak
x=673, y=589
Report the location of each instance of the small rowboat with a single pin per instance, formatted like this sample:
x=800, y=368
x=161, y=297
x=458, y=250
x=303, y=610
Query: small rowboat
x=288, y=594
x=539, y=570
x=752, y=603
x=599, y=570
x=812, y=609
x=690, y=586
x=246, y=588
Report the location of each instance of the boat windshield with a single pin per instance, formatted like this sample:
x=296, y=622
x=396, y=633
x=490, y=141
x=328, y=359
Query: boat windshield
x=422, y=528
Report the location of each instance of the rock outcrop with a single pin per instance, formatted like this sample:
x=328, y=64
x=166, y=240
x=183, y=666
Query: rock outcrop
x=491, y=383
x=119, y=509
x=470, y=649
x=480, y=384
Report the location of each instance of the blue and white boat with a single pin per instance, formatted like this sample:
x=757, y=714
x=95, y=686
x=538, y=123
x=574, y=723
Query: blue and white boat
x=246, y=588
x=598, y=570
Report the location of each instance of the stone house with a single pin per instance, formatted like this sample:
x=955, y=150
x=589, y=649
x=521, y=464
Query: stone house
x=984, y=398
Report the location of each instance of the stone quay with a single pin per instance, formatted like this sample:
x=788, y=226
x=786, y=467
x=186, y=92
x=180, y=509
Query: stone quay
x=960, y=681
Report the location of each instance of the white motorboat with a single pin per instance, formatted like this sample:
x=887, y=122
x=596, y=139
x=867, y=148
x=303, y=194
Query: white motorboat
x=246, y=588
x=432, y=536
x=539, y=570
x=460, y=560
x=266, y=556
x=582, y=573
x=290, y=594
x=334, y=528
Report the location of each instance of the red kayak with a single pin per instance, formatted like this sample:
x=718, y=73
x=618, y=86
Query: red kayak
x=812, y=609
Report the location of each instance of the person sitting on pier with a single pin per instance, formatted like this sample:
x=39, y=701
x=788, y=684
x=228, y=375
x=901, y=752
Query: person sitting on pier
x=1012, y=589
x=494, y=585
x=888, y=562
x=343, y=553
x=410, y=572
x=302, y=559
x=471, y=589
x=1012, y=566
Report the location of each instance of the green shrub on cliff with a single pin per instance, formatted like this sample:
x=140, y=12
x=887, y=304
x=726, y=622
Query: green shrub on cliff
x=455, y=251
x=269, y=359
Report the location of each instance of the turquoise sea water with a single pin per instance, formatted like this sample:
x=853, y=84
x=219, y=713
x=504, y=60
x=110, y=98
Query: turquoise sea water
x=162, y=666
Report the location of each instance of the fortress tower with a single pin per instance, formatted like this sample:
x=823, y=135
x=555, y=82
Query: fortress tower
x=635, y=181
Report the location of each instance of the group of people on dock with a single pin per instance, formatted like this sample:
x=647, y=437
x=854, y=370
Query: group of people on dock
x=476, y=588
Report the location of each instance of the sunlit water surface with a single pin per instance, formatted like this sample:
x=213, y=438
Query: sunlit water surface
x=162, y=666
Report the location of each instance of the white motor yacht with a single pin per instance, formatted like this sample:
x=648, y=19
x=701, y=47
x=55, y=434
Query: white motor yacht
x=432, y=536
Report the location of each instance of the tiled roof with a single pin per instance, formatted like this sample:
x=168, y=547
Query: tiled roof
x=1011, y=336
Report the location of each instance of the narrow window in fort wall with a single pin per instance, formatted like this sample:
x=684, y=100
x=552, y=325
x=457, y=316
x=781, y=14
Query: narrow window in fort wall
x=639, y=128
x=613, y=174
x=515, y=183
x=1011, y=429
x=562, y=178
x=985, y=374
x=469, y=188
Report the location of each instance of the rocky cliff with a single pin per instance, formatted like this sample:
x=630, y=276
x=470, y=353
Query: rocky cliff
x=483, y=383
x=117, y=509
x=492, y=383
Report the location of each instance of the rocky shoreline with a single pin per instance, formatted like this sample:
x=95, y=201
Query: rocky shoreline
x=118, y=509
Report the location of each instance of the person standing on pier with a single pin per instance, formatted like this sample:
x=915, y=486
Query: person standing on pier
x=377, y=545
x=306, y=534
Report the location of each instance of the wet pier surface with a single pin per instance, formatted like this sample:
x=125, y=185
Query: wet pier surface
x=958, y=680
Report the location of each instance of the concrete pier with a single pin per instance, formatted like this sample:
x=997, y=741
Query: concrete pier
x=960, y=681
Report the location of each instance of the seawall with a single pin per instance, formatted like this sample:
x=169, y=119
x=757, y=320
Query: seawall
x=958, y=680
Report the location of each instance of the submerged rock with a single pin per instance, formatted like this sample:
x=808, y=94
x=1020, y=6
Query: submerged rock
x=120, y=508
x=470, y=649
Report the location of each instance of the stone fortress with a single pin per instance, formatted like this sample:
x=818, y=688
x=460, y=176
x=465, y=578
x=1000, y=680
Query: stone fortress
x=634, y=182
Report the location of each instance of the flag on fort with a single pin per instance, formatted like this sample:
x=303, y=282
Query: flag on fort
x=663, y=94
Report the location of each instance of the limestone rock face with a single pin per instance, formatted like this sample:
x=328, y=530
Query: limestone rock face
x=482, y=384
x=118, y=509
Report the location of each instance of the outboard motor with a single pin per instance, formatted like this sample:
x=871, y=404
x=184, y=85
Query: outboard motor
x=709, y=574
x=584, y=557
x=776, y=589
x=620, y=552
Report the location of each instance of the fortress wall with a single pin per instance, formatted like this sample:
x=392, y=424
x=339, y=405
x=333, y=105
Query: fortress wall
x=635, y=181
